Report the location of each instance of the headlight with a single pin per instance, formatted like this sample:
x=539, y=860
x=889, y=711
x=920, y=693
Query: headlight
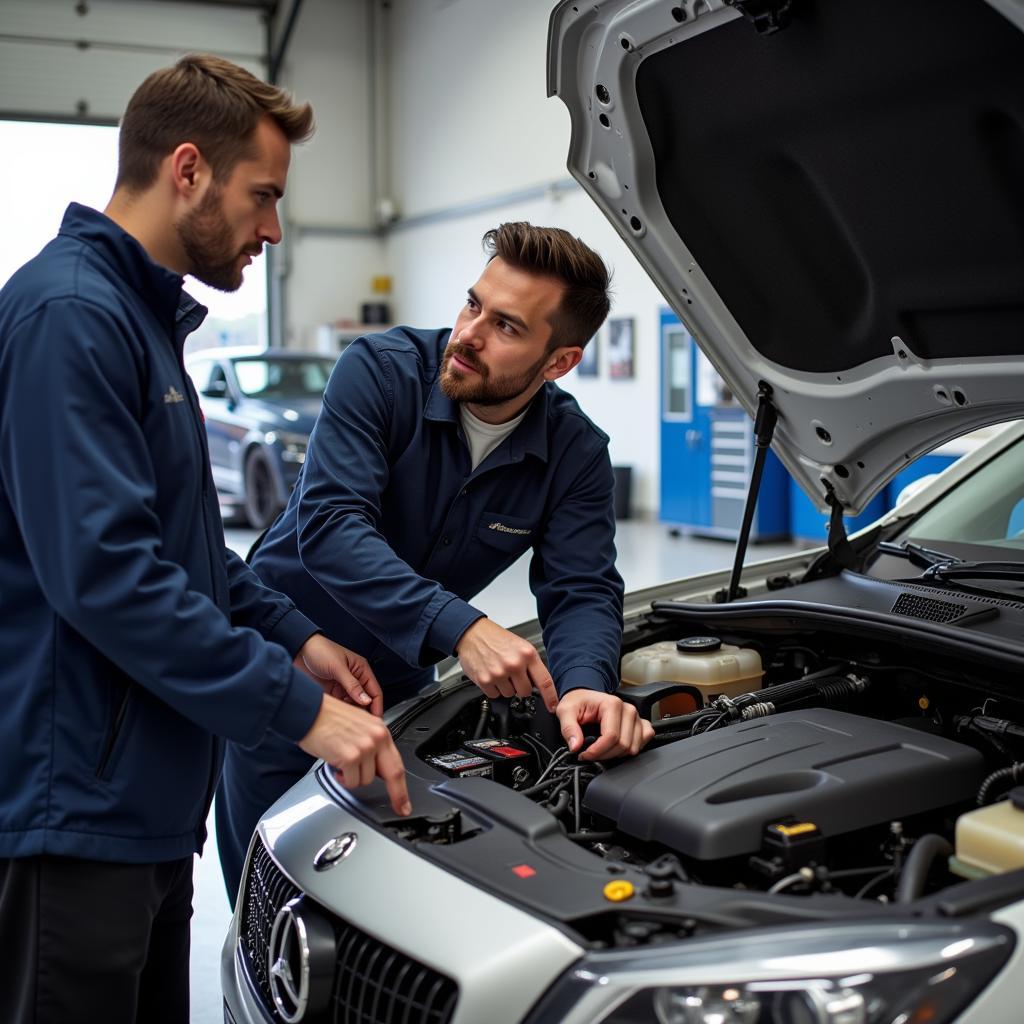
x=293, y=446
x=883, y=974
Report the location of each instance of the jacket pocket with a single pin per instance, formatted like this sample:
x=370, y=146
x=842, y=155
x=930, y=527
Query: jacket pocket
x=116, y=732
x=505, y=532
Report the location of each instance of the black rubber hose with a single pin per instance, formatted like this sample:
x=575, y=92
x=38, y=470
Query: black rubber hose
x=1013, y=772
x=925, y=852
x=481, y=724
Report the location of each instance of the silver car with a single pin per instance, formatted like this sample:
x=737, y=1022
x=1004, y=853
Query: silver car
x=827, y=827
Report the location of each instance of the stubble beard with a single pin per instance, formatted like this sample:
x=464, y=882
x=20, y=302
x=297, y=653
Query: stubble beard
x=206, y=237
x=484, y=390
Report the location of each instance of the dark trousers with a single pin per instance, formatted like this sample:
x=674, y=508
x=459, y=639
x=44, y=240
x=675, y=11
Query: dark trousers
x=88, y=941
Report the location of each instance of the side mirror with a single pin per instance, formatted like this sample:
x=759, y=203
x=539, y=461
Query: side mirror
x=216, y=389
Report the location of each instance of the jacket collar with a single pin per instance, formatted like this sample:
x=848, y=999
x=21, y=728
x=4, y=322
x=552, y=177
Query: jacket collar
x=159, y=287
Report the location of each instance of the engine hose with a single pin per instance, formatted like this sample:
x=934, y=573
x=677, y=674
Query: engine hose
x=834, y=690
x=485, y=711
x=924, y=853
x=558, y=808
x=1000, y=748
x=1013, y=772
x=830, y=687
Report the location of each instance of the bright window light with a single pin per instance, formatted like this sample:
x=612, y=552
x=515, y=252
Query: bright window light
x=47, y=166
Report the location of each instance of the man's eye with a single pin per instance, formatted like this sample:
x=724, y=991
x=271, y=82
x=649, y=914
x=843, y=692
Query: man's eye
x=262, y=198
x=470, y=304
x=507, y=327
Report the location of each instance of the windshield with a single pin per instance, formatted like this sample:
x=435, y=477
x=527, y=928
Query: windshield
x=283, y=378
x=987, y=508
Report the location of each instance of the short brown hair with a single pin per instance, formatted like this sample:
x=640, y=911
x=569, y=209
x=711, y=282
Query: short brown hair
x=555, y=253
x=205, y=100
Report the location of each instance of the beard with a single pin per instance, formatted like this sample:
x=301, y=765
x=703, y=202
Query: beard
x=483, y=389
x=206, y=237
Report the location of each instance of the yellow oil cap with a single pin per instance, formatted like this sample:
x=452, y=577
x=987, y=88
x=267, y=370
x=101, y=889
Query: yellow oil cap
x=618, y=890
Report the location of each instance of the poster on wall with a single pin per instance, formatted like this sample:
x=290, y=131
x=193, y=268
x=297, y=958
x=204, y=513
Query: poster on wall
x=620, y=349
x=587, y=366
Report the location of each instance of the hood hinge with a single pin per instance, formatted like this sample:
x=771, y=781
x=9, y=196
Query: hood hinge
x=767, y=16
x=842, y=553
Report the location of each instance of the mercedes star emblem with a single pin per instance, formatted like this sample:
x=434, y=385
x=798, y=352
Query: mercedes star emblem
x=300, y=961
x=335, y=850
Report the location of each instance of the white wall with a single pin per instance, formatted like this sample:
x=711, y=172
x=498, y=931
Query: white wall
x=331, y=251
x=469, y=115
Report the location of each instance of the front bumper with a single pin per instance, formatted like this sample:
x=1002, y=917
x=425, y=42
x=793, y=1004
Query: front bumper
x=501, y=959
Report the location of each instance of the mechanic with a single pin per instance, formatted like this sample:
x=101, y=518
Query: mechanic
x=438, y=458
x=132, y=639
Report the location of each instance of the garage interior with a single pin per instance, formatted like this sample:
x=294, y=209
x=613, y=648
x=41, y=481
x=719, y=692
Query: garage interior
x=433, y=126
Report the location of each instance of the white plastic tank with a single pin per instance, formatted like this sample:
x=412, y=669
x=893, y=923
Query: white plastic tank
x=990, y=839
x=703, y=662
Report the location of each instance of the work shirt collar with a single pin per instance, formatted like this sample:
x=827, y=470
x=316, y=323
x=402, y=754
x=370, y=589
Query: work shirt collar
x=530, y=437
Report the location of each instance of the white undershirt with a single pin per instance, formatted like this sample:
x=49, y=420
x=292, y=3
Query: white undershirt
x=482, y=437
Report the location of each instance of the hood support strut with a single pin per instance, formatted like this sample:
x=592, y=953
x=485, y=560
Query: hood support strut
x=764, y=430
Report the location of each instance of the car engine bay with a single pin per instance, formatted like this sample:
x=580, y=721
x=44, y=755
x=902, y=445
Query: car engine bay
x=865, y=773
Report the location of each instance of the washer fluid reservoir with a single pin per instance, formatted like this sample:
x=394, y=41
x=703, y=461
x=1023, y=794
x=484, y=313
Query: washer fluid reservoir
x=990, y=839
x=708, y=666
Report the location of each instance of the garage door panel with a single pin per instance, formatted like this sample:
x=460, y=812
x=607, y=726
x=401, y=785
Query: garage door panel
x=52, y=61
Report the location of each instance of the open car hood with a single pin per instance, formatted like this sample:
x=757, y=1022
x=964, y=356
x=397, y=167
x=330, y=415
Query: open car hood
x=830, y=194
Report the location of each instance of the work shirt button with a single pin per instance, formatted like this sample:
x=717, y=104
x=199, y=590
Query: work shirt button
x=446, y=541
x=463, y=493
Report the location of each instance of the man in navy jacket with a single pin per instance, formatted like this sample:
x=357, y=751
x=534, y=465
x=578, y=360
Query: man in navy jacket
x=439, y=457
x=131, y=639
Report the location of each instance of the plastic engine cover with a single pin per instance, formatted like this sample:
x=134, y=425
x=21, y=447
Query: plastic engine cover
x=711, y=795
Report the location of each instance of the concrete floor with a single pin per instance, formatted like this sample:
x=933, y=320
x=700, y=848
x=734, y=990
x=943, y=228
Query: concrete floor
x=648, y=554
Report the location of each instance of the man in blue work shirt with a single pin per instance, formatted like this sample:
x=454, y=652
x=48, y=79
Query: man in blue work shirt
x=439, y=457
x=133, y=642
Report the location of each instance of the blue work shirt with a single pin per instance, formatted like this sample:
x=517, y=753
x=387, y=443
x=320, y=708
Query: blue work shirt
x=389, y=532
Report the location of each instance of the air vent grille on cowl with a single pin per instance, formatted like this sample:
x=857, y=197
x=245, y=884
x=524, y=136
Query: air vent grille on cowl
x=929, y=608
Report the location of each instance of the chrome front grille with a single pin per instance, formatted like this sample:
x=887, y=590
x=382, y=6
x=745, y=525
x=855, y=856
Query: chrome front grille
x=373, y=983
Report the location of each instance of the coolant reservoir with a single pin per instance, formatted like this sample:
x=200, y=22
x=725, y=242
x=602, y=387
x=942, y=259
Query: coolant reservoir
x=703, y=662
x=991, y=839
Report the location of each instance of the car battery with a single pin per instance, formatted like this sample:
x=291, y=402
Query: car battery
x=512, y=764
x=459, y=765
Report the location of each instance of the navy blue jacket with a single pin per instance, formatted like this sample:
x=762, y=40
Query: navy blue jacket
x=129, y=636
x=389, y=534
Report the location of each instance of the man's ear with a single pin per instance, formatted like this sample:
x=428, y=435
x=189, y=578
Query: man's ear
x=562, y=360
x=189, y=170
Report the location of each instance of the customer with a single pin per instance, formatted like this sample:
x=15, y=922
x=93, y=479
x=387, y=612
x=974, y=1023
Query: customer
x=439, y=457
x=131, y=639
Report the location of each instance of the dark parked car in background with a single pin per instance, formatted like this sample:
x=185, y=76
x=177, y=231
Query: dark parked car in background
x=260, y=406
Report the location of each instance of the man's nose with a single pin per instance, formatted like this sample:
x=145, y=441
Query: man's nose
x=472, y=334
x=270, y=229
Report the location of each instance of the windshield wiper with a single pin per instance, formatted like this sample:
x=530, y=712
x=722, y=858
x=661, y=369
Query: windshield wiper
x=953, y=574
x=975, y=570
x=916, y=554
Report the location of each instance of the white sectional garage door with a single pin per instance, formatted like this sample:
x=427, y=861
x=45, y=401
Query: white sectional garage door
x=80, y=60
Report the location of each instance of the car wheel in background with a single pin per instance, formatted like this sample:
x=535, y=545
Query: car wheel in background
x=261, y=500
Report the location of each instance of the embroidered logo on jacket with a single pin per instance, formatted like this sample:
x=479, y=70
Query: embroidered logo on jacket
x=502, y=528
x=173, y=395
